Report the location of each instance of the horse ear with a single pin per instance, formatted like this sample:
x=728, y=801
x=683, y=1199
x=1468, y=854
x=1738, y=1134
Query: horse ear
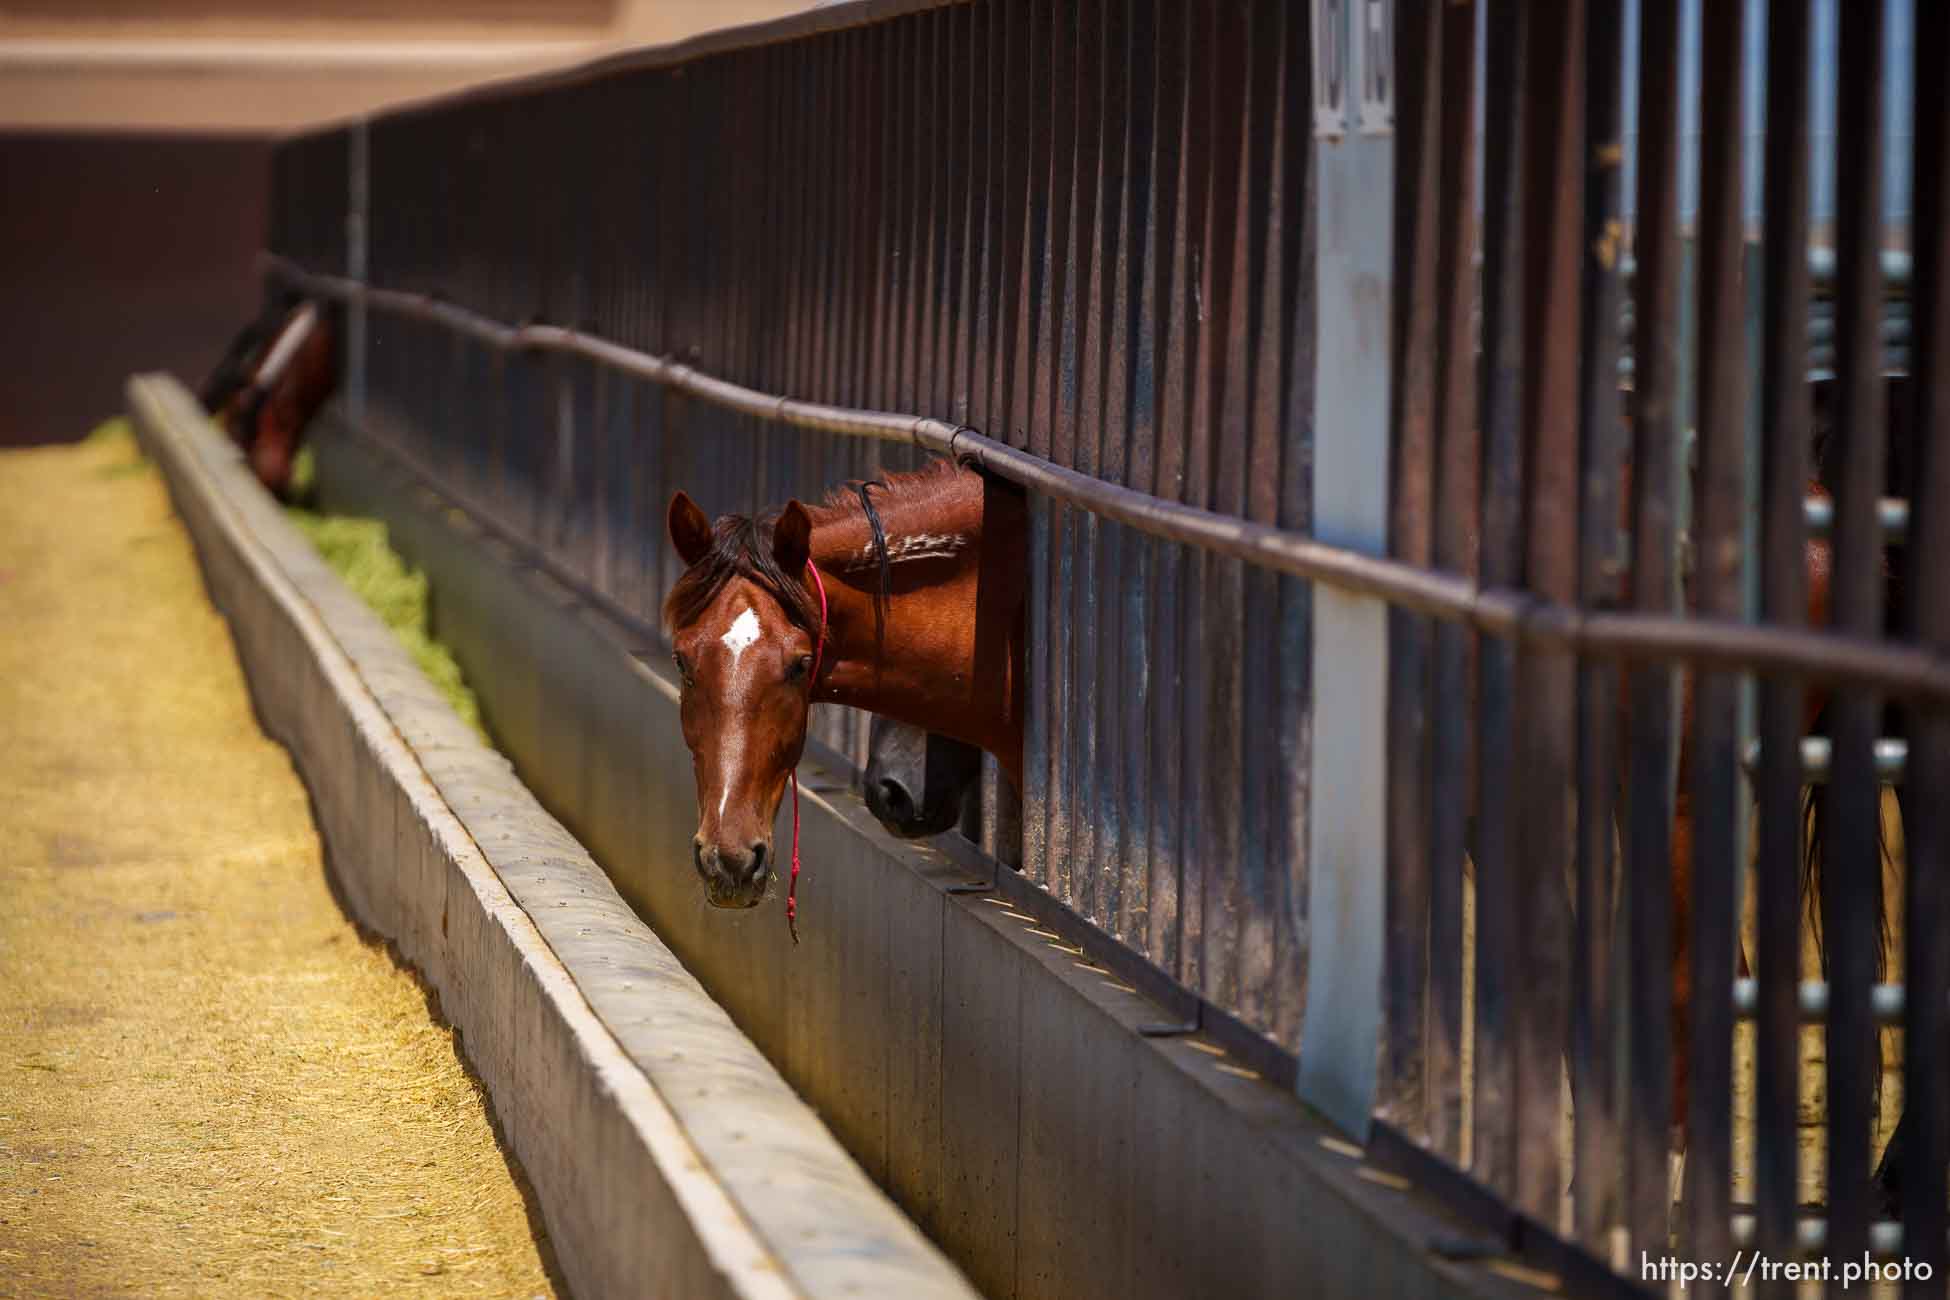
x=690, y=530
x=792, y=538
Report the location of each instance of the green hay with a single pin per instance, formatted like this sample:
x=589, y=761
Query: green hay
x=304, y=476
x=117, y=429
x=358, y=552
x=118, y=434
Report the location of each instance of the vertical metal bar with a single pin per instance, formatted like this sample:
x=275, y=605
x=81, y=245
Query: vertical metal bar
x=1402, y=1099
x=764, y=264
x=1852, y=869
x=358, y=224
x=929, y=141
x=962, y=61
x=1053, y=411
x=1546, y=709
x=729, y=106
x=1655, y=471
x=1195, y=468
x=1166, y=327
x=1501, y=399
x=1259, y=277
x=1031, y=61
x=884, y=234
x=1092, y=211
x=1594, y=1024
x=1719, y=590
x=1458, y=503
x=975, y=381
x=1017, y=33
x=1079, y=77
x=1287, y=381
x=1347, y=829
x=1219, y=421
x=1116, y=868
x=969, y=50
x=1137, y=302
x=1925, y=1127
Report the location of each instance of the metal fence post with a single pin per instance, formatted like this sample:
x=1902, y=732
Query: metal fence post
x=1355, y=158
x=358, y=208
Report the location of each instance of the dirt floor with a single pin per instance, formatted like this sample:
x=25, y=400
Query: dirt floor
x=210, y=1082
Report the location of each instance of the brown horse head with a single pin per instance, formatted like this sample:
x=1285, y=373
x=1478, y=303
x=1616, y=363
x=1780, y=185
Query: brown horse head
x=743, y=629
x=271, y=383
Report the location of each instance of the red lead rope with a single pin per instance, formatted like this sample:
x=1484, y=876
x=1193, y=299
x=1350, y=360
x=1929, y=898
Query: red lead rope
x=812, y=680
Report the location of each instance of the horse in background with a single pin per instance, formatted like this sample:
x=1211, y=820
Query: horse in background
x=920, y=783
x=276, y=374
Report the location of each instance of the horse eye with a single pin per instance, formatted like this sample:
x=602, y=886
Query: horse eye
x=683, y=669
x=798, y=668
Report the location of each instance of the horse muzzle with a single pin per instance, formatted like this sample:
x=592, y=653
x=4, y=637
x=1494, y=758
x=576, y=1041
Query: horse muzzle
x=733, y=877
x=895, y=807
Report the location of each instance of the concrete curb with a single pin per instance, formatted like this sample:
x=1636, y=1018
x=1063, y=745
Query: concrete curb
x=668, y=1156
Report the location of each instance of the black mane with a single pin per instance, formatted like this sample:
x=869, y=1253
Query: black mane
x=741, y=547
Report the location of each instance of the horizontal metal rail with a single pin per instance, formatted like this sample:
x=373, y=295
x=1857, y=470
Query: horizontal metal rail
x=1519, y=615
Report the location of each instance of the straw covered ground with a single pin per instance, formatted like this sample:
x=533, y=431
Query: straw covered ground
x=210, y=1082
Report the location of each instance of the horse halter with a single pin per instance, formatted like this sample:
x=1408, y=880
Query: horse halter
x=812, y=680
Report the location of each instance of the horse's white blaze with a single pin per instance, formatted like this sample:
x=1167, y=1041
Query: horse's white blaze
x=285, y=347
x=728, y=748
x=738, y=638
x=741, y=636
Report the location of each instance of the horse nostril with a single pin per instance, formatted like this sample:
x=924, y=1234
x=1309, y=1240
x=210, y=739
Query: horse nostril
x=697, y=852
x=895, y=801
x=758, y=860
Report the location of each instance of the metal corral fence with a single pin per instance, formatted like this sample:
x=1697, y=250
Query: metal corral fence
x=1208, y=279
